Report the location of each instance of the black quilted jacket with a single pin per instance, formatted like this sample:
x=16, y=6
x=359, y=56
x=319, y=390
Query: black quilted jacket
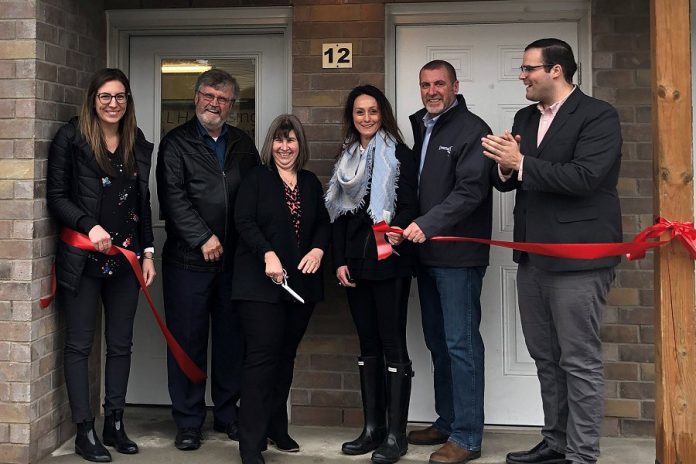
x=74, y=192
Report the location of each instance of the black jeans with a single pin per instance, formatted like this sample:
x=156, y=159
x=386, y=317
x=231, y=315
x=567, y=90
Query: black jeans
x=379, y=309
x=272, y=332
x=197, y=304
x=119, y=295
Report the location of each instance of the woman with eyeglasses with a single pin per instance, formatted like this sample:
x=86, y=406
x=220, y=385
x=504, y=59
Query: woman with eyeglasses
x=375, y=179
x=283, y=235
x=98, y=171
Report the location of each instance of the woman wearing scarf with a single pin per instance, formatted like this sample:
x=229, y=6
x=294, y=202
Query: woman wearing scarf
x=375, y=179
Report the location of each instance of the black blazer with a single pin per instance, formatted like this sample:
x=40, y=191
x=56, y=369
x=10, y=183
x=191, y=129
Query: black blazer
x=568, y=189
x=352, y=237
x=74, y=193
x=264, y=224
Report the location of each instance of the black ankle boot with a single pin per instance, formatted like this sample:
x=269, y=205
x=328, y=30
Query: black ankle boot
x=373, y=392
x=87, y=443
x=399, y=393
x=115, y=434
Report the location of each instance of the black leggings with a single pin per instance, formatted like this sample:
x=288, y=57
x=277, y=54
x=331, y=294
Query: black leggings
x=379, y=309
x=119, y=294
x=272, y=333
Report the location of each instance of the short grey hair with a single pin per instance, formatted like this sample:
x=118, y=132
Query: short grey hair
x=217, y=78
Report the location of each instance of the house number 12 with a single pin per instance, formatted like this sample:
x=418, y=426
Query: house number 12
x=337, y=55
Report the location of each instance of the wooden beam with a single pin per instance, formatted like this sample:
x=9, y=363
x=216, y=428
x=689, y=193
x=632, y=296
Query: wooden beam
x=675, y=324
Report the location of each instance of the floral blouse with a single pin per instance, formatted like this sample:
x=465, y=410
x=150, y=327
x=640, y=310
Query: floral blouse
x=119, y=215
x=292, y=199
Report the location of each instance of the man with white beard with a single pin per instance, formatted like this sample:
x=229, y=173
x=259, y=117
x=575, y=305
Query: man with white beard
x=200, y=165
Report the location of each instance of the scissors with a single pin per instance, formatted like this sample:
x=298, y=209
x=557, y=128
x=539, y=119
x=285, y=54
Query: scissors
x=284, y=283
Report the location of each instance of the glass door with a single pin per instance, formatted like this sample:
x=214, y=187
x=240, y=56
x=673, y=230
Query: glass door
x=163, y=71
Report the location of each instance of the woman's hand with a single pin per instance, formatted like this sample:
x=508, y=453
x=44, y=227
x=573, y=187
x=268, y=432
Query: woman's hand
x=100, y=238
x=344, y=277
x=148, y=270
x=310, y=263
x=274, y=269
x=393, y=238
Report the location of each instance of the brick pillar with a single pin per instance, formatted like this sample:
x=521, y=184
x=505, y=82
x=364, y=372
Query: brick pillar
x=326, y=387
x=48, y=53
x=621, y=66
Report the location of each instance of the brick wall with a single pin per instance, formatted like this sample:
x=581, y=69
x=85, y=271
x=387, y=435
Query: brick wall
x=326, y=388
x=47, y=50
x=621, y=68
x=17, y=246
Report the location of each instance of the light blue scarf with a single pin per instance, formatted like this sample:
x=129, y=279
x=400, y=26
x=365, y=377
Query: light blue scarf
x=376, y=169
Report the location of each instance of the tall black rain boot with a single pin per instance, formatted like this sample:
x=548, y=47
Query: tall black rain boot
x=395, y=444
x=87, y=443
x=373, y=394
x=114, y=433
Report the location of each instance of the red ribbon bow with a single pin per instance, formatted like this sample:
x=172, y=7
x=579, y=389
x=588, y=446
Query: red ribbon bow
x=81, y=241
x=684, y=231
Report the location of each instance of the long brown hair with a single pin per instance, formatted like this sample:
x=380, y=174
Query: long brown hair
x=351, y=134
x=127, y=126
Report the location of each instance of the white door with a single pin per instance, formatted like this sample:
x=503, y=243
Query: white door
x=164, y=99
x=487, y=58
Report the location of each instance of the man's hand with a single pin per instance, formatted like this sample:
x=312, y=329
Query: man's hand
x=414, y=233
x=504, y=150
x=212, y=249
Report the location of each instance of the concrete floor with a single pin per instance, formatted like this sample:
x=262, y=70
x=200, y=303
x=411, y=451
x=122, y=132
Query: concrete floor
x=153, y=430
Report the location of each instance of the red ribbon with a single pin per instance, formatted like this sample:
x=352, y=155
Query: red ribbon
x=684, y=231
x=81, y=241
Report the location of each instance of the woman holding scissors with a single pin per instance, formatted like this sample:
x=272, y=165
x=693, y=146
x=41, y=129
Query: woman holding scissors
x=283, y=233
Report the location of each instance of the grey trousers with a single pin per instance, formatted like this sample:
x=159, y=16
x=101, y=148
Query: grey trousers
x=561, y=314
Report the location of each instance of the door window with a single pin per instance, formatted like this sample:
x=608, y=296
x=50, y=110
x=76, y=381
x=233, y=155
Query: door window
x=178, y=81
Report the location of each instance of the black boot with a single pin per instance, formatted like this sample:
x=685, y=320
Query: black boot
x=399, y=391
x=115, y=433
x=87, y=443
x=373, y=392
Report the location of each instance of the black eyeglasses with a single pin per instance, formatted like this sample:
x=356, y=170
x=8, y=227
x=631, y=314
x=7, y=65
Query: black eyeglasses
x=209, y=97
x=525, y=69
x=105, y=98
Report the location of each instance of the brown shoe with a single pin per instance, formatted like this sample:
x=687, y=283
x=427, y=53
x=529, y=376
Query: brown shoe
x=452, y=453
x=427, y=436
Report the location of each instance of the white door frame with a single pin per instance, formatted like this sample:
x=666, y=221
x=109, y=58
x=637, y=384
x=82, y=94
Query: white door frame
x=122, y=24
x=482, y=12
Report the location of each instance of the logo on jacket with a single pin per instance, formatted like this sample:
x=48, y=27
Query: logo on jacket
x=447, y=149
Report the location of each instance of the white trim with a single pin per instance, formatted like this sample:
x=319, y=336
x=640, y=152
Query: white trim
x=123, y=24
x=500, y=11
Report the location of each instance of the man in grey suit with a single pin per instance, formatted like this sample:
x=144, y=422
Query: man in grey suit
x=562, y=158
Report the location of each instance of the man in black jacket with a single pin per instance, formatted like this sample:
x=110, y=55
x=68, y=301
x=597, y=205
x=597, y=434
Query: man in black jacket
x=562, y=158
x=454, y=199
x=200, y=165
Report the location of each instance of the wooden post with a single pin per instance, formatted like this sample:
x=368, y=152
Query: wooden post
x=675, y=324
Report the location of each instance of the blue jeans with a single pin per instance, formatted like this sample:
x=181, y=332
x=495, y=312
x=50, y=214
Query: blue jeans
x=450, y=301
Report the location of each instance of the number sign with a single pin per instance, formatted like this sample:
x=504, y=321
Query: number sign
x=337, y=55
